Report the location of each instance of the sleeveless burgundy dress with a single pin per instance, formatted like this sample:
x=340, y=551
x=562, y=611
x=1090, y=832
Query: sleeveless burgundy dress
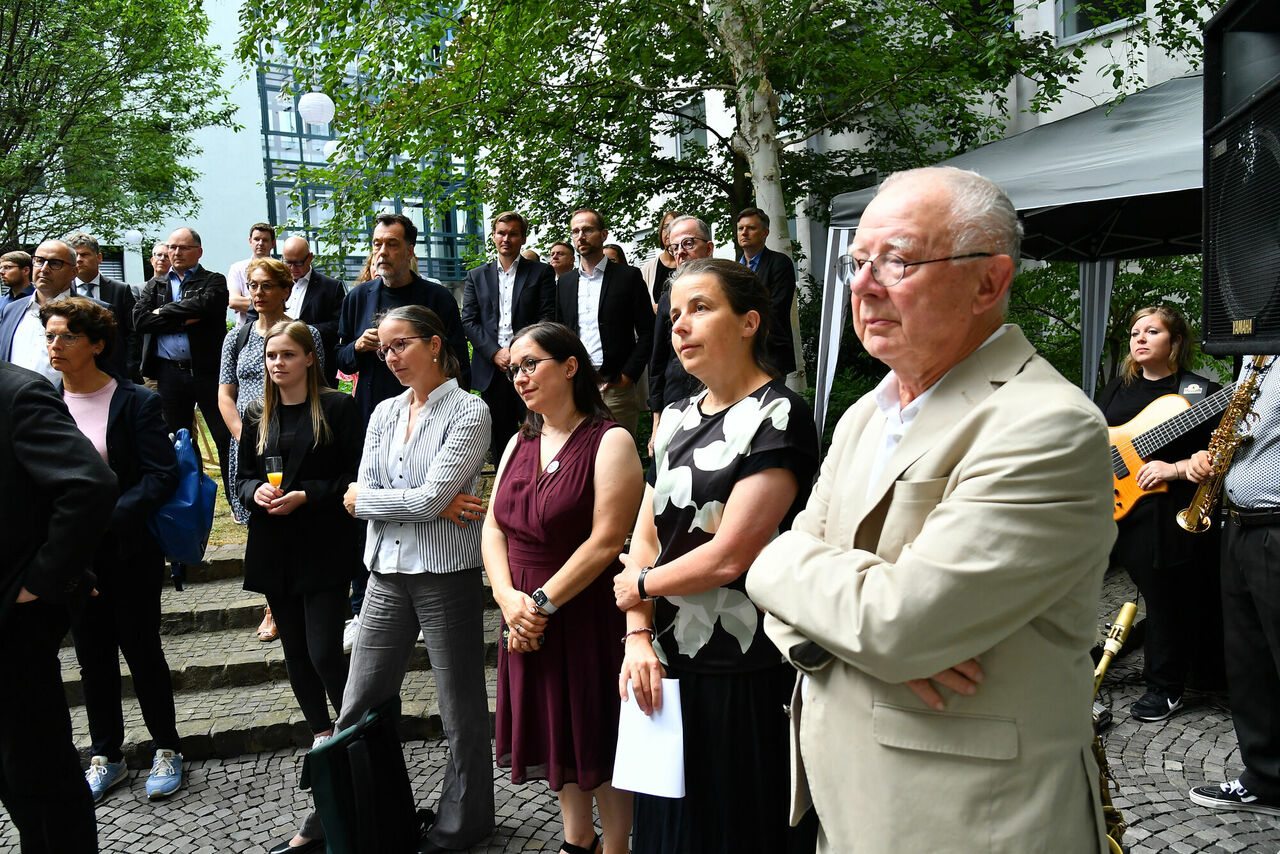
x=557, y=717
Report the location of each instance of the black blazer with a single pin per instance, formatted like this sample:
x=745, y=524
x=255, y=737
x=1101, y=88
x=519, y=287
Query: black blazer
x=204, y=298
x=626, y=319
x=141, y=454
x=127, y=357
x=779, y=276
x=56, y=493
x=316, y=546
x=322, y=308
x=532, y=299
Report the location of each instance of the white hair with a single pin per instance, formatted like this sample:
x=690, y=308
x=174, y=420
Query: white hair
x=982, y=216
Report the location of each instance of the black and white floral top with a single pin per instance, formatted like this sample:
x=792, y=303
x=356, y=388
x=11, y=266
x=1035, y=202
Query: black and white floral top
x=699, y=459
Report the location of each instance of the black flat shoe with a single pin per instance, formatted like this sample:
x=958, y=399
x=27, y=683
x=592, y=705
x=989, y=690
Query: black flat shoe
x=569, y=848
x=309, y=845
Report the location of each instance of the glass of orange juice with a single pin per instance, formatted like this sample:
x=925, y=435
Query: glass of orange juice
x=275, y=471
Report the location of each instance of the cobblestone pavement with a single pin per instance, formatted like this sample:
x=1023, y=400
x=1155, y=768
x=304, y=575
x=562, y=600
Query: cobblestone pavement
x=247, y=803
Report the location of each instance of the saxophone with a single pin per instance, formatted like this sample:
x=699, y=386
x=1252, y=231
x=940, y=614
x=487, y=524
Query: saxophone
x=1222, y=447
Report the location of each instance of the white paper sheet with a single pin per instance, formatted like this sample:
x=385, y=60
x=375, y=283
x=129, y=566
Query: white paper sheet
x=650, y=755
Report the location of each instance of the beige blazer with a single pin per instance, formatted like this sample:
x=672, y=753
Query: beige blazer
x=986, y=535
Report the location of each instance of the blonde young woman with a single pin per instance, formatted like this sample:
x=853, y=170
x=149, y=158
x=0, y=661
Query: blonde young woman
x=303, y=547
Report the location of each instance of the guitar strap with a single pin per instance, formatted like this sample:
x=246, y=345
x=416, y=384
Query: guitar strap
x=1193, y=387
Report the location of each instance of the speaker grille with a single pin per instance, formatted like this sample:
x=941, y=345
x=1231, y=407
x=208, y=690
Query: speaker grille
x=1242, y=232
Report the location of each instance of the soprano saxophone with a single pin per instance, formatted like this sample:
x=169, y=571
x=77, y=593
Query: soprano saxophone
x=1222, y=447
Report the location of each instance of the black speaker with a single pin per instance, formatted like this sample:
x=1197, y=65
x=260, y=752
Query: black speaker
x=1242, y=179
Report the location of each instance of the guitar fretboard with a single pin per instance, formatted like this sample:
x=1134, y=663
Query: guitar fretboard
x=1149, y=441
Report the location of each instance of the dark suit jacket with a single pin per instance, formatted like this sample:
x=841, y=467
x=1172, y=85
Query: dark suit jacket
x=128, y=353
x=11, y=316
x=56, y=493
x=532, y=299
x=669, y=382
x=626, y=319
x=366, y=301
x=322, y=308
x=317, y=545
x=141, y=454
x=204, y=298
x=779, y=276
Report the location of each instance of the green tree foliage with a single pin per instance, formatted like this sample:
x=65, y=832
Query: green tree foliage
x=98, y=103
x=554, y=104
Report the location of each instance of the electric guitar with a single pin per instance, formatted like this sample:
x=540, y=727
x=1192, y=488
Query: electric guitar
x=1163, y=420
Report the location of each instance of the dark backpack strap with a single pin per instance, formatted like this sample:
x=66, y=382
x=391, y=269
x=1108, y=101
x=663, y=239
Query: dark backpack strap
x=242, y=338
x=1193, y=387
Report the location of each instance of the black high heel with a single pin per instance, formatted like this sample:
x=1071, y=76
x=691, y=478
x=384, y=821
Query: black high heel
x=570, y=848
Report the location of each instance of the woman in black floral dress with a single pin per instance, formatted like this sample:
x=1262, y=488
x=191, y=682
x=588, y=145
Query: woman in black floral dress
x=732, y=468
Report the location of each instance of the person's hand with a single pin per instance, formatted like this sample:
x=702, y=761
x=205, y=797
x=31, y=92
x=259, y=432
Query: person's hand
x=25, y=595
x=287, y=503
x=502, y=358
x=264, y=496
x=640, y=666
x=368, y=340
x=964, y=679
x=525, y=622
x=625, y=590
x=623, y=381
x=1199, y=466
x=462, y=509
x=1154, y=473
x=349, y=499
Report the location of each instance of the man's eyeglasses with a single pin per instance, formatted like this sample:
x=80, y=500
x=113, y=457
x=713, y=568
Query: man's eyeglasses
x=888, y=269
x=51, y=263
x=69, y=339
x=178, y=247
x=529, y=365
x=687, y=244
x=397, y=346
x=299, y=263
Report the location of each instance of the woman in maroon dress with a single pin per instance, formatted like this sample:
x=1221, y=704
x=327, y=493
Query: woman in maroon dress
x=567, y=493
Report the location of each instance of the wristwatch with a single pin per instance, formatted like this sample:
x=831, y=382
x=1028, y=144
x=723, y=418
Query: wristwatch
x=544, y=604
x=644, y=597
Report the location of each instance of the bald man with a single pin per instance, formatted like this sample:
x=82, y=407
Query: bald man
x=315, y=299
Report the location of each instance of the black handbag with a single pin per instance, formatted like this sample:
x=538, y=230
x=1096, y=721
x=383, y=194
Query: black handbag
x=361, y=788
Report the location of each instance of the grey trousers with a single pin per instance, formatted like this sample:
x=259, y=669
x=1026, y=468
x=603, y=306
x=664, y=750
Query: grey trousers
x=448, y=608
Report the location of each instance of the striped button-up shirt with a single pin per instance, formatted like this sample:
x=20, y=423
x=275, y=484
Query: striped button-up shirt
x=406, y=482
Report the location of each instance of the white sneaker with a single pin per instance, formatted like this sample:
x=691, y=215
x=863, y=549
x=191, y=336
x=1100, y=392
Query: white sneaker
x=349, y=632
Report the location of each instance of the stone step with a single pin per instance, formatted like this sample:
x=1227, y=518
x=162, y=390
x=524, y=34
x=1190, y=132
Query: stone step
x=219, y=562
x=232, y=658
x=210, y=606
x=233, y=721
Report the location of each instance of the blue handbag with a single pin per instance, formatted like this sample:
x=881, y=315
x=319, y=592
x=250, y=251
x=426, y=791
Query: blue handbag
x=182, y=525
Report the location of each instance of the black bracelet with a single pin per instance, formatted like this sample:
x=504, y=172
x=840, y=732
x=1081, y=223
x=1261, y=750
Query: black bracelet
x=640, y=584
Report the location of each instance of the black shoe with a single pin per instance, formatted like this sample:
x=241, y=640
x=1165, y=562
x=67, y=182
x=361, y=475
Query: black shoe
x=1155, y=706
x=1232, y=796
x=309, y=845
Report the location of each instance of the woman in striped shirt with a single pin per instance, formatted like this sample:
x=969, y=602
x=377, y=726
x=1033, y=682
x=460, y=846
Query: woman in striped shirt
x=422, y=456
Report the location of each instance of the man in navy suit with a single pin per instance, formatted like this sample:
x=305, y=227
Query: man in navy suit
x=90, y=282
x=394, y=236
x=315, y=299
x=779, y=276
x=608, y=306
x=21, y=330
x=501, y=298
x=15, y=277
x=56, y=497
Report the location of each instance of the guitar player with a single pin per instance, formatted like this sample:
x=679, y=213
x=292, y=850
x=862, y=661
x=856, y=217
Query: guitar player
x=1175, y=571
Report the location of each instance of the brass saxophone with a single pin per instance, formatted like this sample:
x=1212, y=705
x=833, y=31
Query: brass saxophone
x=1222, y=447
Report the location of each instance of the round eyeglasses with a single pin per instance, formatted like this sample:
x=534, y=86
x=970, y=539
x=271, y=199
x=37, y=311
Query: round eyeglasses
x=397, y=346
x=887, y=269
x=528, y=366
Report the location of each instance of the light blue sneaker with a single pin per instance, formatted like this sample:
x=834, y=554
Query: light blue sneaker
x=166, y=774
x=103, y=776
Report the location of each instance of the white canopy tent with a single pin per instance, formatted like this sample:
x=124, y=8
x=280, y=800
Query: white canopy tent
x=1106, y=184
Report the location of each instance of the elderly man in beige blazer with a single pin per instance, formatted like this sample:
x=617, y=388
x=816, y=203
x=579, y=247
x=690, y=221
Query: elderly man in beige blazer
x=938, y=594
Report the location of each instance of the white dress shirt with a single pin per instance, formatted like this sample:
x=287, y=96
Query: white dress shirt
x=293, y=305
x=589, y=288
x=238, y=283
x=29, y=349
x=506, y=296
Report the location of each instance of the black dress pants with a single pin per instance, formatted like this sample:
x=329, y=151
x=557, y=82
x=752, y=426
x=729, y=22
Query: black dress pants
x=310, y=626
x=125, y=618
x=507, y=412
x=180, y=393
x=41, y=782
x=1251, y=619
